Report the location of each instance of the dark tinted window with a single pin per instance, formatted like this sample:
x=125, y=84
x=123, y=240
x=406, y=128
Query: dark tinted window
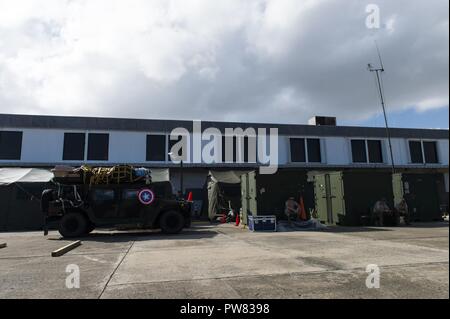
x=246, y=143
x=375, y=153
x=156, y=148
x=247, y=149
x=130, y=194
x=298, y=150
x=98, y=147
x=314, y=150
x=74, y=146
x=101, y=195
x=359, y=151
x=415, y=150
x=10, y=145
x=229, y=138
x=430, y=150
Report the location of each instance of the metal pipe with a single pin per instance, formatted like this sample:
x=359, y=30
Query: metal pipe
x=181, y=178
x=388, y=134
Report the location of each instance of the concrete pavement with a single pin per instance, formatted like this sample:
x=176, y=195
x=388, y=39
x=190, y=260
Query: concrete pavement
x=223, y=261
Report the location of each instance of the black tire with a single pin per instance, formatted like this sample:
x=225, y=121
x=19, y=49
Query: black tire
x=90, y=228
x=171, y=222
x=187, y=223
x=73, y=225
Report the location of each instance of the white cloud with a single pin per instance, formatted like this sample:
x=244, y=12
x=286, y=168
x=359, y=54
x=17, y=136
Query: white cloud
x=256, y=60
x=431, y=103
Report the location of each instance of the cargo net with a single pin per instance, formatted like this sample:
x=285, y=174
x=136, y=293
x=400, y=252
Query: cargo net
x=119, y=174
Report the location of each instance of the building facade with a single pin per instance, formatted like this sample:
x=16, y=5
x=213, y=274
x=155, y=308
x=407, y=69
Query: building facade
x=46, y=141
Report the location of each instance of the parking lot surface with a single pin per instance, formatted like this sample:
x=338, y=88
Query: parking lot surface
x=224, y=261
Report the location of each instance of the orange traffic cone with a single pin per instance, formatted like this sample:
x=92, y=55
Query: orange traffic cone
x=302, y=214
x=189, y=199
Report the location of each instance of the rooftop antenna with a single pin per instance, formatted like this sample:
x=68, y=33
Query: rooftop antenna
x=378, y=71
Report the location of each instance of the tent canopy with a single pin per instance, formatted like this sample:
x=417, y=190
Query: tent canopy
x=24, y=175
x=227, y=177
x=221, y=187
x=160, y=174
x=37, y=175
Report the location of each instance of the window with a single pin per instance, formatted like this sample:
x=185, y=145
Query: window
x=10, y=145
x=415, y=150
x=423, y=152
x=156, y=148
x=236, y=148
x=301, y=147
x=103, y=195
x=130, y=194
x=74, y=146
x=248, y=150
x=298, y=153
x=359, y=154
x=375, y=153
x=98, y=144
x=430, y=151
x=314, y=150
x=233, y=150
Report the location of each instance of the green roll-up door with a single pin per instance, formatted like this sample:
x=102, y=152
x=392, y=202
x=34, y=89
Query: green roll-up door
x=329, y=197
x=244, y=197
x=397, y=187
x=320, y=197
x=337, y=198
x=252, y=204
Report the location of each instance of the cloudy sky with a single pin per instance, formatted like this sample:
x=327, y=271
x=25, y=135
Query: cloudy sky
x=247, y=60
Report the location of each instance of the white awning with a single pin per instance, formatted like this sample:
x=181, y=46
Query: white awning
x=228, y=177
x=24, y=175
x=37, y=175
x=160, y=174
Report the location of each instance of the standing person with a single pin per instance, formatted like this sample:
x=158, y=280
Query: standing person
x=379, y=209
x=402, y=210
x=291, y=208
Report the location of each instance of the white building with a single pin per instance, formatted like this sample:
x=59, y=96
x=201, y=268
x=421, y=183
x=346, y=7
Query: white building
x=46, y=141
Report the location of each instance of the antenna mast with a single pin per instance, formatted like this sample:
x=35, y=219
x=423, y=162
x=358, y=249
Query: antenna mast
x=378, y=72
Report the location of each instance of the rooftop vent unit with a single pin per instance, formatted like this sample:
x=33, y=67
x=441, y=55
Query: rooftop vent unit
x=322, y=120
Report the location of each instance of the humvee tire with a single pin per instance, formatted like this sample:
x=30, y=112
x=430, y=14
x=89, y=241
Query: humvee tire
x=90, y=228
x=171, y=222
x=73, y=225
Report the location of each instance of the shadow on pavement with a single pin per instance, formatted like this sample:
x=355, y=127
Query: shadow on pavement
x=440, y=224
x=355, y=229
x=142, y=235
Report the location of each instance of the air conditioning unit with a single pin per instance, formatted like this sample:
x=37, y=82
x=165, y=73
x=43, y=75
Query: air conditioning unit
x=322, y=120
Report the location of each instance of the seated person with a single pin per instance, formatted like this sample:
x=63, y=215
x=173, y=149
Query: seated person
x=379, y=209
x=291, y=208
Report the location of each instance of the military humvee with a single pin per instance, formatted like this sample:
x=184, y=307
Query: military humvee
x=79, y=209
